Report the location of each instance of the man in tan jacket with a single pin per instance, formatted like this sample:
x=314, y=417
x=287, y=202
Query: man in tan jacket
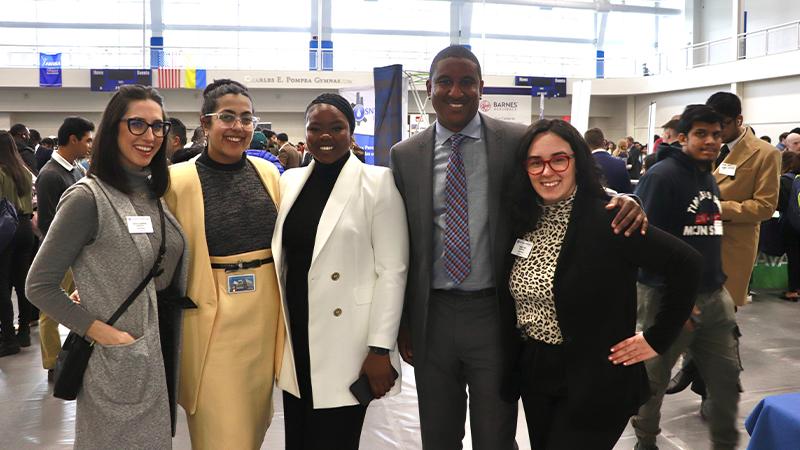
x=748, y=171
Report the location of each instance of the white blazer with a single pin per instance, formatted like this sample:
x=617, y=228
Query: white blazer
x=356, y=282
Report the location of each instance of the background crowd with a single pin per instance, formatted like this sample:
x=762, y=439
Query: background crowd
x=473, y=259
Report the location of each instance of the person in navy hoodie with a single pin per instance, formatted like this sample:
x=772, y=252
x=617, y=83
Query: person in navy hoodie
x=681, y=197
x=614, y=171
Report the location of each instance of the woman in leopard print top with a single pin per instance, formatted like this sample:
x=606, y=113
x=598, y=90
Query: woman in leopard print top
x=580, y=374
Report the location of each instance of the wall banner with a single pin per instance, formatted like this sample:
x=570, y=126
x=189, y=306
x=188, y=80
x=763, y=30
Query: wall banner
x=50, y=70
x=362, y=99
x=512, y=104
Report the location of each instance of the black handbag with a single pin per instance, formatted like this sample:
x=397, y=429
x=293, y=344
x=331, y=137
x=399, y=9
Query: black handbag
x=74, y=356
x=8, y=222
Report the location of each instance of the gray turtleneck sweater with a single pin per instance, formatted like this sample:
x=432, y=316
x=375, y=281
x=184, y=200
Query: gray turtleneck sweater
x=78, y=210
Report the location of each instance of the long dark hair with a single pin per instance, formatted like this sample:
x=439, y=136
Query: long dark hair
x=523, y=200
x=12, y=164
x=106, y=164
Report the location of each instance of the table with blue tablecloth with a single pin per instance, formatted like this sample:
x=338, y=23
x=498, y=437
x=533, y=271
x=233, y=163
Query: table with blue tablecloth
x=775, y=423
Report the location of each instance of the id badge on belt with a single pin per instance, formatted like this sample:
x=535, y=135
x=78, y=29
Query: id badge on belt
x=239, y=284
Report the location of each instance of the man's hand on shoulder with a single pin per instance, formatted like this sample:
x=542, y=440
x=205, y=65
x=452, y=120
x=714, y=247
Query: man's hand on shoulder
x=630, y=215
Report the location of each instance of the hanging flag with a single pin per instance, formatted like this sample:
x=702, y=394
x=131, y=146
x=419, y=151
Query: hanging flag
x=169, y=78
x=389, y=116
x=195, y=78
x=50, y=70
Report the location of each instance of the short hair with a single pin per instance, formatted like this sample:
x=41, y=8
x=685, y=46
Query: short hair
x=726, y=104
x=186, y=153
x=523, y=199
x=649, y=161
x=199, y=134
x=673, y=124
x=594, y=137
x=283, y=137
x=268, y=133
x=74, y=126
x=783, y=135
x=106, y=164
x=338, y=102
x=177, y=129
x=795, y=130
x=48, y=142
x=17, y=129
x=35, y=136
x=697, y=113
x=766, y=138
x=454, y=51
x=218, y=89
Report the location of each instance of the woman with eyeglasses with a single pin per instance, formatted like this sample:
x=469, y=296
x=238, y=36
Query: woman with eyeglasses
x=227, y=203
x=574, y=284
x=110, y=228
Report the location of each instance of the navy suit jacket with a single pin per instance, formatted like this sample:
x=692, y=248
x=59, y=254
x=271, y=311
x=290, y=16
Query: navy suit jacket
x=615, y=172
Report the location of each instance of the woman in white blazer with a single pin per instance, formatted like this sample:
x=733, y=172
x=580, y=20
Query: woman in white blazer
x=341, y=254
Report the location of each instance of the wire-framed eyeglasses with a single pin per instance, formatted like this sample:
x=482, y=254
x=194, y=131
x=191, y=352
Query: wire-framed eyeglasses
x=535, y=166
x=229, y=120
x=139, y=127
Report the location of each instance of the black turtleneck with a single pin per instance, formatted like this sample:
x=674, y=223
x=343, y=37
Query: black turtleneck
x=239, y=212
x=299, y=233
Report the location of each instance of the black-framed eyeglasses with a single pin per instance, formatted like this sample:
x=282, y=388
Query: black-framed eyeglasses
x=726, y=123
x=535, y=166
x=139, y=127
x=228, y=120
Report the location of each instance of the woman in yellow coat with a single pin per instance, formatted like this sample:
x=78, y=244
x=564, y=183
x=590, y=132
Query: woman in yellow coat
x=226, y=203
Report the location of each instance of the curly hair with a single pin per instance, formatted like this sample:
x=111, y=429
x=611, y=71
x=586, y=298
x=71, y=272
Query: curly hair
x=523, y=201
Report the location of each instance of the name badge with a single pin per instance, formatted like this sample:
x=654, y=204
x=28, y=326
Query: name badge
x=522, y=248
x=727, y=169
x=239, y=284
x=139, y=224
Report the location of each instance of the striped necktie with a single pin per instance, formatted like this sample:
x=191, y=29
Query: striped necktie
x=456, y=241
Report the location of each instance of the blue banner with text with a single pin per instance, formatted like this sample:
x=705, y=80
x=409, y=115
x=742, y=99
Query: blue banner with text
x=50, y=70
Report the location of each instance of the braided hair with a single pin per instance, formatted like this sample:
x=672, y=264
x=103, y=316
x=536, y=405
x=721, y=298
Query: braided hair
x=338, y=102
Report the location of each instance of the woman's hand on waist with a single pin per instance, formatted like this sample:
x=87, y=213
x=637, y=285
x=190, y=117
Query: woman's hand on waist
x=631, y=351
x=379, y=371
x=107, y=336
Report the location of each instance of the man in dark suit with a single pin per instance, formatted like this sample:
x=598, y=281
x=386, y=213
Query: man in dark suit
x=614, y=170
x=458, y=326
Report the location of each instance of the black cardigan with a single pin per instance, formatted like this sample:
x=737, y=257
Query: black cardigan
x=594, y=290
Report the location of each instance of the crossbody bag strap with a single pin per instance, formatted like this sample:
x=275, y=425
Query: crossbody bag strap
x=154, y=272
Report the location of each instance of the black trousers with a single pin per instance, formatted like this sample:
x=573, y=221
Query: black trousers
x=791, y=240
x=311, y=429
x=15, y=261
x=544, y=398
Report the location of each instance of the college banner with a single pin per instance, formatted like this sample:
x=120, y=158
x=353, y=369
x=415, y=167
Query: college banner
x=362, y=99
x=50, y=70
x=512, y=104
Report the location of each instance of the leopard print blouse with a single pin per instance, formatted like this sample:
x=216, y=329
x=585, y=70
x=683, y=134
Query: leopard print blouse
x=531, y=280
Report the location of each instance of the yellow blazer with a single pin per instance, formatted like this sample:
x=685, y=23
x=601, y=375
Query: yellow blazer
x=185, y=200
x=749, y=197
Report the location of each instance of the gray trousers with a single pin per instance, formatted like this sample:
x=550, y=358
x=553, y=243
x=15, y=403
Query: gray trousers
x=714, y=346
x=463, y=348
